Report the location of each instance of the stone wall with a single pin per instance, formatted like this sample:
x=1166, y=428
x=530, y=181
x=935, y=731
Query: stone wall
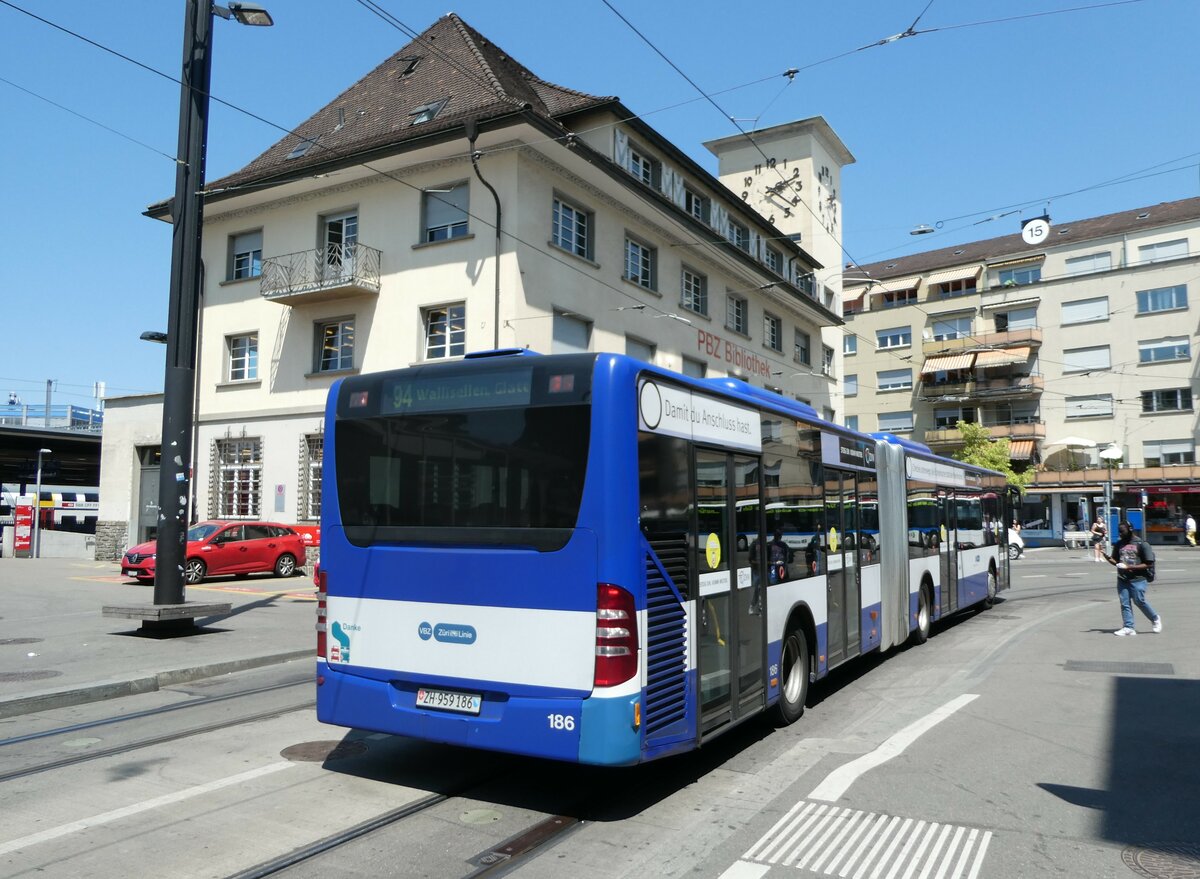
x=111, y=538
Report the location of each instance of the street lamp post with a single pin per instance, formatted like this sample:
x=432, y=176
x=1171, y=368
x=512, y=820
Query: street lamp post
x=37, y=508
x=187, y=211
x=1110, y=456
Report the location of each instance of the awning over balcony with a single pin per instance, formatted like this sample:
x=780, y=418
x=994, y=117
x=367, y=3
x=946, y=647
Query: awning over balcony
x=959, y=274
x=1028, y=302
x=947, y=363
x=1020, y=450
x=895, y=285
x=1002, y=357
x=1017, y=261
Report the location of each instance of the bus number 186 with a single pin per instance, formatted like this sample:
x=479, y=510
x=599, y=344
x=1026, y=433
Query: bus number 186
x=561, y=721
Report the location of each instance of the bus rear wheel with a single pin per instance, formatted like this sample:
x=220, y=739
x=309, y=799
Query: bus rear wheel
x=991, y=587
x=924, y=616
x=793, y=678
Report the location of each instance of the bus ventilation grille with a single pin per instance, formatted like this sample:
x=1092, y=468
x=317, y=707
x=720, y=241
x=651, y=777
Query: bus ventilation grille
x=666, y=637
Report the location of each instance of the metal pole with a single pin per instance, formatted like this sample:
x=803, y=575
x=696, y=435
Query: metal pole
x=37, y=510
x=187, y=211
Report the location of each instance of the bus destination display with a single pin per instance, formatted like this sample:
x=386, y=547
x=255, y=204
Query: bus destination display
x=402, y=396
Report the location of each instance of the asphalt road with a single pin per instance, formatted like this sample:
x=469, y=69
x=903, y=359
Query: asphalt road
x=1024, y=740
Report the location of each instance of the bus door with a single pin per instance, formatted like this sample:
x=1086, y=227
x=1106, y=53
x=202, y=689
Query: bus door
x=948, y=551
x=842, y=529
x=729, y=626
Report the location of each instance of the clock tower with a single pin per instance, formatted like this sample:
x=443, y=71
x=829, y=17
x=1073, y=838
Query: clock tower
x=792, y=175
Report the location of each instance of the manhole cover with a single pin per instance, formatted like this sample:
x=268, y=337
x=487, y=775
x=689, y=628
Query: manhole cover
x=6, y=641
x=1164, y=860
x=319, y=752
x=7, y=677
x=1120, y=668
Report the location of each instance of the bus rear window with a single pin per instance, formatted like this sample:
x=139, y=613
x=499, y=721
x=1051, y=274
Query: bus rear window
x=509, y=476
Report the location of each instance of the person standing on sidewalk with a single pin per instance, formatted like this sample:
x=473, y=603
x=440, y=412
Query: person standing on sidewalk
x=1099, y=532
x=1190, y=528
x=1132, y=557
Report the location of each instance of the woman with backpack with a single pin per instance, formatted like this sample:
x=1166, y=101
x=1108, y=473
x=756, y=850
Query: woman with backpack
x=1134, y=561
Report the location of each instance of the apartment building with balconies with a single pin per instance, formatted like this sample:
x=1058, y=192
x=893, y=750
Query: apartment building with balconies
x=453, y=201
x=1066, y=347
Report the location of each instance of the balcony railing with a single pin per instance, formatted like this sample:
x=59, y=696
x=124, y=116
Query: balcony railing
x=1007, y=339
x=326, y=273
x=952, y=435
x=992, y=389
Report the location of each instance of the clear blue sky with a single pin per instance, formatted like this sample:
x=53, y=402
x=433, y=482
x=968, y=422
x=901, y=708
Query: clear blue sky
x=961, y=122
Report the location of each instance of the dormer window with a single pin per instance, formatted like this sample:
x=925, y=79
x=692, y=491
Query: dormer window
x=427, y=112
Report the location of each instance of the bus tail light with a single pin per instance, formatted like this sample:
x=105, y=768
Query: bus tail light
x=616, y=636
x=322, y=593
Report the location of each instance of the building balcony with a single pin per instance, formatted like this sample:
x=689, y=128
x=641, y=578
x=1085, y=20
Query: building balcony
x=1010, y=388
x=952, y=436
x=321, y=275
x=1031, y=337
x=1124, y=478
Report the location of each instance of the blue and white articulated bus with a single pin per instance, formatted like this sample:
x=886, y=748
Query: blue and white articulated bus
x=566, y=556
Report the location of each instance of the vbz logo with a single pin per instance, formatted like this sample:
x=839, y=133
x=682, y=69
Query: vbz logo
x=424, y=631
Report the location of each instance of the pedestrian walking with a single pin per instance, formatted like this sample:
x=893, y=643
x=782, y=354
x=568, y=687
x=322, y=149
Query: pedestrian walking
x=1099, y=532
x=1190, y=528
x=1133, y=559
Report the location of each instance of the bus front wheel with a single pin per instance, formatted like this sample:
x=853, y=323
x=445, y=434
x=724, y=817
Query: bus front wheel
x=924, y=616
x=793, y=689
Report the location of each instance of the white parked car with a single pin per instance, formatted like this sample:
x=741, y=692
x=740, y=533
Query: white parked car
x=1016, y=546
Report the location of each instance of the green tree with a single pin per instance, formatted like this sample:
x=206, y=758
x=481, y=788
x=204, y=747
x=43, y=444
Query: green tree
x=983, y=451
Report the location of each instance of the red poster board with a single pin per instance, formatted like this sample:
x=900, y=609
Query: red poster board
x=23, y=526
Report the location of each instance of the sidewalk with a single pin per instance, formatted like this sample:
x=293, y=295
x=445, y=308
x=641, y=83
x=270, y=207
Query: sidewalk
x=56, y=649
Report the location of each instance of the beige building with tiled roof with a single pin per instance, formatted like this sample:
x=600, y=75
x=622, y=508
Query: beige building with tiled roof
x=452, y=201
x=1081, y=340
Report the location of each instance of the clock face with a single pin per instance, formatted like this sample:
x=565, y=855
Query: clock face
x=774, y=189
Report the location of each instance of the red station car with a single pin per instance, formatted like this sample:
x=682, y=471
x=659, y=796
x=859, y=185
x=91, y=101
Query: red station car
x=215, y=548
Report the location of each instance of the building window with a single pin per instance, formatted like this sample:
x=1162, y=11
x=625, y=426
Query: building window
x=427, y=112
x=243, y=357
x=897, y=298
x=894, y=380
x=1019, y=277
x=1086, y=359
x=335, y=346
x=693, y=294
x=739, y=235
x=948, y=417
x=951, y=328
x=445, y=331
x=851, y=422
x=1162, y=299
x=1158, y=453
x=896, y=337
x=850, y=386
x=954, y=289
x=735, y=314
x=640, y=264
x=849, y=345
x=802, y=348
x=696, y=205
x=895, y=422
x=1084, y=311
x=245, y=255
x=828, y=414
x=642, y=167
x=1091, y=406
x=774, y=260
x=571, y=334
x=571, y=229
x=1017, y=319
x=694, y=368
x=1163, y=250
x=1175, y=348
x=826, y=360
x=341, y=246
x=772, y=332
x=312, y=452
x=1168, y=400
x=640, y=350
x=445, y=212
x=1093, y=262
x=239, y=478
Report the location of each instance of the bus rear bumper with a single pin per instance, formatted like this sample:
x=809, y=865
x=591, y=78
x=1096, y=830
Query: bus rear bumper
x=574, y=729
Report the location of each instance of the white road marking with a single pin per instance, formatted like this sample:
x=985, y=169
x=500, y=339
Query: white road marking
x=839, y=781
x=1033, y=576
x=850, y=844
x=746, y=870
x=137, y=808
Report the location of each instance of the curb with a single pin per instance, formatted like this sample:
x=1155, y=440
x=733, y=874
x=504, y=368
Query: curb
x=112, y=689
